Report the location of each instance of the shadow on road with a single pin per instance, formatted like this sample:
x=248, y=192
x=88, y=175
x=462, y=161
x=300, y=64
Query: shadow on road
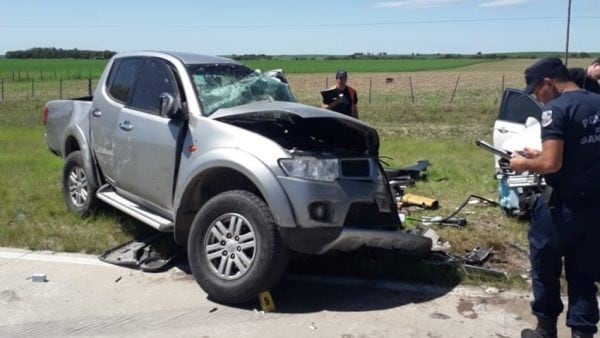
x=349, y=282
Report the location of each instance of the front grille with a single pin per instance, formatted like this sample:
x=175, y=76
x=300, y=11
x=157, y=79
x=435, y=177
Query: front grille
x=356, y=168
x=367, y=216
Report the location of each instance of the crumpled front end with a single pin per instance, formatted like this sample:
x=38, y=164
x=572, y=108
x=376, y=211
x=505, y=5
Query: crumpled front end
x=332, y=177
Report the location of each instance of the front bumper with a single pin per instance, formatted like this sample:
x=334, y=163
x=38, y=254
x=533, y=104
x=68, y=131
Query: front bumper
x=322, y=240
x=352, y=239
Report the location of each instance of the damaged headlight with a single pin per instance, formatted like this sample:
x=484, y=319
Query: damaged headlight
x=311, y=168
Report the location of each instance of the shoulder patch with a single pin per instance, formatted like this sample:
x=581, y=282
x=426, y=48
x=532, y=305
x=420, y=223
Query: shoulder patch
x=546, y=118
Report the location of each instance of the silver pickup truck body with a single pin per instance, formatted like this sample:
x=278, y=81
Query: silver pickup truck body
x=164, y=157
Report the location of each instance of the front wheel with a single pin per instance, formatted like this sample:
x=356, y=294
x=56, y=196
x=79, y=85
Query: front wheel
x=234, y=248
x=78, y=192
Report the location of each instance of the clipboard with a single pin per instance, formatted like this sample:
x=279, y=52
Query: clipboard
x=505, y=154
x=329, y=95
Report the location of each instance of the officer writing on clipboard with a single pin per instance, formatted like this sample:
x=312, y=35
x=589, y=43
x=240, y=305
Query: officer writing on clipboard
x=346, y=101
x=565, y=221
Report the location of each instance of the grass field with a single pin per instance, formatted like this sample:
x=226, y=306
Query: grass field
x=47, y=69
x=52, y=69
x=33, y=215
x=359, y=66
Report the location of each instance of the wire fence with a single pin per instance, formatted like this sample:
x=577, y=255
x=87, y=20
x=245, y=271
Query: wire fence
x=373, y=88
x=48, y=89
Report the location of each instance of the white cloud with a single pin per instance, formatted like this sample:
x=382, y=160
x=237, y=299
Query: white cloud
x=415, y=3
x=498, y=3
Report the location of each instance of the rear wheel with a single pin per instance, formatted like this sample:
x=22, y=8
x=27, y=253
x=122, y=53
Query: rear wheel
x=234, y=248
x=78, y=192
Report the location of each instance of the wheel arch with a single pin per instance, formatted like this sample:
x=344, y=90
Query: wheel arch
x=220, y=176
x=75, y=140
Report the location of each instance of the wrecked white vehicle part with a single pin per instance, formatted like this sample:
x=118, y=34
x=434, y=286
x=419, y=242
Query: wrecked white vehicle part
x=517, y=127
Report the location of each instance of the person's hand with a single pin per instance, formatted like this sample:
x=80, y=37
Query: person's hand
x=335, y=102
x=518, y=163
x=529, y=153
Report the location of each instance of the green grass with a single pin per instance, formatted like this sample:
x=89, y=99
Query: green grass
x=360, y=66
x=46, y=69
x=33, y=214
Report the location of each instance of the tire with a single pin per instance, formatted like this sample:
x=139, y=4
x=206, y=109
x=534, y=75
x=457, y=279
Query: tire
x=78, y=192
x=234, y=248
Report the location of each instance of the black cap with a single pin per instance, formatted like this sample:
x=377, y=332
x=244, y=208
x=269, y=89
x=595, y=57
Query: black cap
x=340, y=74
x=550, y=67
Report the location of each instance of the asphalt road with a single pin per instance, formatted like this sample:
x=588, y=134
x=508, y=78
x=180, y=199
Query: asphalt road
x=85, y=297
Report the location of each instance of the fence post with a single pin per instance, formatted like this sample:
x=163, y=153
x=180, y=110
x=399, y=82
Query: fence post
x=90, y=86
x=60, y=89
x=13, y=72
x=412, y=93
x=32, y=87
x=502, y=88
x=41, y=75
x=326, y=82
x=454, y=91
x=370, y=86
x=2, y=85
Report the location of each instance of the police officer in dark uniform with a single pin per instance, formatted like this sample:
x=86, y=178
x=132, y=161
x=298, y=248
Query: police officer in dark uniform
x=565, y=222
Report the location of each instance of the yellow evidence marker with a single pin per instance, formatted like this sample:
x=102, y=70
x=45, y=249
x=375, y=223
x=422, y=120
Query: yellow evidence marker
x=266, y=301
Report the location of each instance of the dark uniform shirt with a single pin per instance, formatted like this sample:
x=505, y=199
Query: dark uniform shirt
x=347, y=100
x=574, y=117
x=579, y=76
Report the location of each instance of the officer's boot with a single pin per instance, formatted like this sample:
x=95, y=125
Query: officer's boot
x=579, y=334
x=546, y=328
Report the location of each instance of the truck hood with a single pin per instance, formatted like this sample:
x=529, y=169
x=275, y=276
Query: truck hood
x=301, y=128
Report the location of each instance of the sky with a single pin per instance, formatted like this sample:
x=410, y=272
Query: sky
x=275, y=27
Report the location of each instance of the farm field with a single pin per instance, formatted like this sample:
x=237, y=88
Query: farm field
x=425, y=123
x=46, y=69
x=50, y=69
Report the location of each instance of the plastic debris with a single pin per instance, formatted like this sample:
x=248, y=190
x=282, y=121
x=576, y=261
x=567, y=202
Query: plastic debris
x=492, y=290
x=39, y=277
x=436, y=243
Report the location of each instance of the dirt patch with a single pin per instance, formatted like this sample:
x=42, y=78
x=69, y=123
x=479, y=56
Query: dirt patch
x=465, y=308
x=9, y=296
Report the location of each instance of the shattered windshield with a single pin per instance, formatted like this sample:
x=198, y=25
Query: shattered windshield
x=229, y=85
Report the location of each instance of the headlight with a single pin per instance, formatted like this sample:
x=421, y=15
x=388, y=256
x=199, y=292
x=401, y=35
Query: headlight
x=311, y=168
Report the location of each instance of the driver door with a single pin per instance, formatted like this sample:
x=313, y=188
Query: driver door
x=148, y=142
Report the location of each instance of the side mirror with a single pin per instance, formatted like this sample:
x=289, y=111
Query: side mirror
x=168, y=108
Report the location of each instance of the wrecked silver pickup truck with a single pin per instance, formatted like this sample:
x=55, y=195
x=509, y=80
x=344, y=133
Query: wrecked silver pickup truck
x=222, y=157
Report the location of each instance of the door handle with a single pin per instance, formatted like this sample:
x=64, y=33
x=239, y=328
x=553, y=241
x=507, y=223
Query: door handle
x=96, y=113
x=503, y=130
x=126, y=125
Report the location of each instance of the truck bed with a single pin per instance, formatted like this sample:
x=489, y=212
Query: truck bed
x=62, y=114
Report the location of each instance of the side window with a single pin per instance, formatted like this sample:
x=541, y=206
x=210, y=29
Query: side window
x=517, y=107
x=122, y=78
x=155, y=79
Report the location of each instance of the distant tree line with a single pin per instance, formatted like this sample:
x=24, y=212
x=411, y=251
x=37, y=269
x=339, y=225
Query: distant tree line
x=58, y=53
x=245, y=57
